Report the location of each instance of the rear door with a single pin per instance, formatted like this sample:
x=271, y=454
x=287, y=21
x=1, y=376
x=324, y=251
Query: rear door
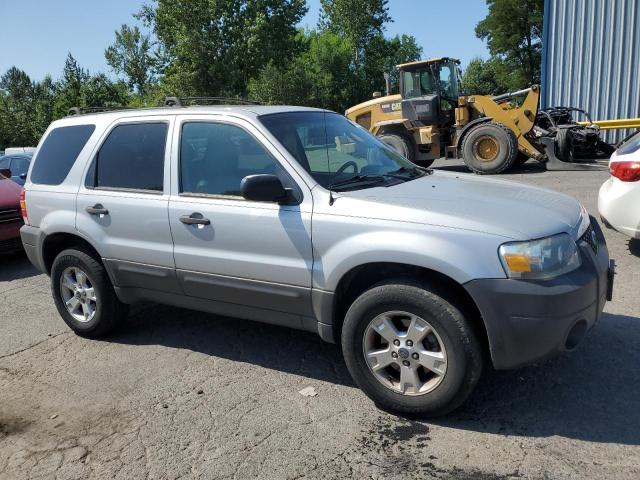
x=122, y=206
x=251, y=254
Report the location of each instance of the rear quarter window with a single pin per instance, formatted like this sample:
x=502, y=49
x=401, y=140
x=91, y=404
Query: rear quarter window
x=58, y=153
x=630, y=145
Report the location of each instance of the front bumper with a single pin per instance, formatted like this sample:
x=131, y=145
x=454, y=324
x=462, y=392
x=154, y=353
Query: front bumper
x=529, y=321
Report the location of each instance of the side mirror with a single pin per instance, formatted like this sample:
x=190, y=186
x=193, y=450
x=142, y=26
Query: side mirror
x=264, y=188
x=23, y=176
x=377, y=94
x=5, y=172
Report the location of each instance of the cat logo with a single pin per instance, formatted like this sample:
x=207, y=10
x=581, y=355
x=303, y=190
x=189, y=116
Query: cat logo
x=391, y=107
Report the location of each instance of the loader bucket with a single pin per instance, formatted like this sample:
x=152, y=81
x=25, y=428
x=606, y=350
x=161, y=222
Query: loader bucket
x=554, y=163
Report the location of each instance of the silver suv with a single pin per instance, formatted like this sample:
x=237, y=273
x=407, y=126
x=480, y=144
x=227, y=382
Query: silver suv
x=299, y=217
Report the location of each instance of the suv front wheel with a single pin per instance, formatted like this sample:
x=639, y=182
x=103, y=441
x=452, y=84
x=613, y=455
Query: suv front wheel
x=410, y=350
x=83, y=294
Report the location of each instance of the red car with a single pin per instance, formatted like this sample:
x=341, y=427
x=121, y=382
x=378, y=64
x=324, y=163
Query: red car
x=10, y=213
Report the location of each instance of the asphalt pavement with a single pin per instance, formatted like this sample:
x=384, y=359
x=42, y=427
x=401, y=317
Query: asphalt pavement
x=182, y=394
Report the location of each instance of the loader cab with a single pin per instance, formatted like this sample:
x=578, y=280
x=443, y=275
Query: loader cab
x=430, y=90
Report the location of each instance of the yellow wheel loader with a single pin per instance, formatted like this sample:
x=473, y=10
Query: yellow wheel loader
x=430, y=118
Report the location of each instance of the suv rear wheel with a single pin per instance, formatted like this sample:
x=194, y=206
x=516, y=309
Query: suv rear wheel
x=410, y=350
x=83, y=294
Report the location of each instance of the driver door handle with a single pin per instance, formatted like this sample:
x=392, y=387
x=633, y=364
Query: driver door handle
x=97, y=209
x=195, y=219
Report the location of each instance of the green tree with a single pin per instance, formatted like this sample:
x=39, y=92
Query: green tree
x=362, y=25
x=78, y=88
x=486, y=77
x=16, y=104
x=215, y=47
x=356, y=20
x=26, y=108
x=325, y=74
x=131, y=57
x=513, y=31
x=70, y=87
x=320, y=76
x=382, y=55
x=99, y=91
x=43, y=109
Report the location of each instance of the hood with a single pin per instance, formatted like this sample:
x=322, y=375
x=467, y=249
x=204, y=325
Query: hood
x=9, y=194
x=467, y=201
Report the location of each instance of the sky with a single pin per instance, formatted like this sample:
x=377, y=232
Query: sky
x=36, y=35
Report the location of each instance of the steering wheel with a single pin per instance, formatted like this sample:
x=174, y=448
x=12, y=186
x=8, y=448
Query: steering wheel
x=350, y=163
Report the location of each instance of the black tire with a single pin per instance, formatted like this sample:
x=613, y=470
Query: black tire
x=109, y=311
x=464, y=353
x=562, y=145
x=423, y=163
x=501, y=160
x=521, y=159
x=401, y=144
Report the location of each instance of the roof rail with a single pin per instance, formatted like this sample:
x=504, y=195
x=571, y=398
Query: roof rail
x=168, y=102
x=185, y=101
x=85, y=110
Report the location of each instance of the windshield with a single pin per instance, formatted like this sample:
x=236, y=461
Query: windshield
x=418, y=83
x=335, y=150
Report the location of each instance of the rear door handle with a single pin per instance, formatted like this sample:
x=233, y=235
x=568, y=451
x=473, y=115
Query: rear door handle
x=97, y=209
x=195, y=219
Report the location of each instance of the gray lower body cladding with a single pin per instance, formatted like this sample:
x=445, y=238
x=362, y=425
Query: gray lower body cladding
x=32, y=243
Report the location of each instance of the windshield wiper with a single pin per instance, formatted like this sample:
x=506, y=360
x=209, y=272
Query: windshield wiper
x=358, y=179
x=415, y=171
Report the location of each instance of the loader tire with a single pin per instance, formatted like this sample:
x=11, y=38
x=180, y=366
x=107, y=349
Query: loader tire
x=401, y=144
x=521, y=159
x=489, y=148
x=563, y=147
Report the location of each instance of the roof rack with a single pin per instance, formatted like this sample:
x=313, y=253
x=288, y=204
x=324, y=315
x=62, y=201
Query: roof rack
x=185, y=101
x=86, y=110
x=168, y=102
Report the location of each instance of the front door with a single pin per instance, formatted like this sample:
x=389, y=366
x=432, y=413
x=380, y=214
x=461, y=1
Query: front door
x=239, y=252
x=122, y=207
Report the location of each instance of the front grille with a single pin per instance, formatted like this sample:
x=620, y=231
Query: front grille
x=590, y=237
x=11, y=245
x=12, y=214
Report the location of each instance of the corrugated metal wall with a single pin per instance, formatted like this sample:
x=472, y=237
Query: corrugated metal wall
x=591, y=58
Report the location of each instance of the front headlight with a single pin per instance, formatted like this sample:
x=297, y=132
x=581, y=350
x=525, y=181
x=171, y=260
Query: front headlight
x=540, y=259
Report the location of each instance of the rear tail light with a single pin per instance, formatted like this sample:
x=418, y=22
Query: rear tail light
x=23, y=206
x=626, y=171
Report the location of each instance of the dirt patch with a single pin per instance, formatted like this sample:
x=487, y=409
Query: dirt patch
x=401, y=445
x=12, y=426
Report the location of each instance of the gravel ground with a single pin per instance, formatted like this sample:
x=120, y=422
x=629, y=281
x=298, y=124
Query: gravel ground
x=181, y=394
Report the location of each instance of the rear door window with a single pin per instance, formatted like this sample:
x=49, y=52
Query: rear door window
x=58, y=153
x=131, y=158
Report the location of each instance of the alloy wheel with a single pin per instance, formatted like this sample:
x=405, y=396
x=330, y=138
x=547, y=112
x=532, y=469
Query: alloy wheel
x=78, y=294
x=405, y=353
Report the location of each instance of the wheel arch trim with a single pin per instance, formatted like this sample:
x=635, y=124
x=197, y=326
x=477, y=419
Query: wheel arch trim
x=47, y=238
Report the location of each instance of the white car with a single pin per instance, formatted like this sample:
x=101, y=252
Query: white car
x=619, y=198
